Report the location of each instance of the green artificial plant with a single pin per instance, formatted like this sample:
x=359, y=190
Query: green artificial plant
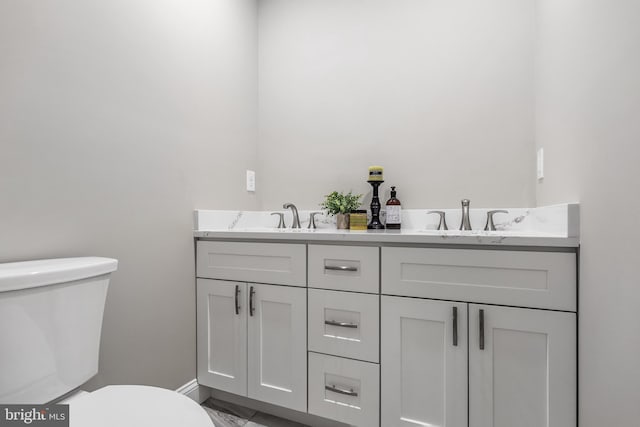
x=340, y=203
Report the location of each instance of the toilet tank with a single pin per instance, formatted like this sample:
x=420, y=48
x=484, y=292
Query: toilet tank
x=50, y=324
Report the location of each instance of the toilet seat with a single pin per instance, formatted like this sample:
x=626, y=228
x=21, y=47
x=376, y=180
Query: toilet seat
x=136, y=406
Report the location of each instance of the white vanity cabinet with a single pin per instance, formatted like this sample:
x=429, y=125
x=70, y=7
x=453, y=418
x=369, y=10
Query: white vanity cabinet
x=392, y=335
x=521, y=361
x=252, y=337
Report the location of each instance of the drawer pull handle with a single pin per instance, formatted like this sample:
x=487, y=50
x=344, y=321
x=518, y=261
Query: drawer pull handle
x=237, y=294
x=481, y=322
x=455, y=326
x=341, y=390
x=341, y=324
x=340, y=268
x=251, y=307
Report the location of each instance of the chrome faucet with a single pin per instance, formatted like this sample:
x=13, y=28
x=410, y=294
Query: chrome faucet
x=465, y=224
x=294, y=211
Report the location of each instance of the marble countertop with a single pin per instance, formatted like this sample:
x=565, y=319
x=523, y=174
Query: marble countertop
x=402, y=236
x=552, y=226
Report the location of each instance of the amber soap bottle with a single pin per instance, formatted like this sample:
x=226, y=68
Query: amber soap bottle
x=394, y=211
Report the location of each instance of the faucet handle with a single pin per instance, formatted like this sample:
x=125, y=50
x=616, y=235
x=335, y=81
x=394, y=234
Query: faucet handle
x=443, y=221
x=281, y=223
x=490, y=226
x=312, y=220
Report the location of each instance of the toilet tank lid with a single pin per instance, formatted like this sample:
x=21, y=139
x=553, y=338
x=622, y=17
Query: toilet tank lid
x=43, y=272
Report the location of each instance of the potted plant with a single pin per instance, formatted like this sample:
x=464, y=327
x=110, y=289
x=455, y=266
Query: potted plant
x=340, y=205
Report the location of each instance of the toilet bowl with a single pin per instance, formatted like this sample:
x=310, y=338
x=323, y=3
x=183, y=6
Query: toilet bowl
x=135, y=406
x=50, y=324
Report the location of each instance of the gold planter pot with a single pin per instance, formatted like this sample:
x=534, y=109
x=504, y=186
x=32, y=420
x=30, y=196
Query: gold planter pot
x=342, y=221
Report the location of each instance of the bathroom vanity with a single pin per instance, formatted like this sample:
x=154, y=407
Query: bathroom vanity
x=393, y=329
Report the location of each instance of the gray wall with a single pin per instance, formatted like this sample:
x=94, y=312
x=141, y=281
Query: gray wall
x=117, y=119
x=441, y=93
x=589, y=126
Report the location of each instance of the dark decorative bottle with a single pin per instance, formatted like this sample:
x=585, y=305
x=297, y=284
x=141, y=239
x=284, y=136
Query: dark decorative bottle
x=394, y=212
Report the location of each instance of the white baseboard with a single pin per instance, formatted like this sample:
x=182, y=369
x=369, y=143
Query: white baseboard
x=195, y=391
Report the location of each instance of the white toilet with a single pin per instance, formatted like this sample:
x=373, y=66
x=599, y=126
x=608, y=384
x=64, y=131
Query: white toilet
x=50, y=324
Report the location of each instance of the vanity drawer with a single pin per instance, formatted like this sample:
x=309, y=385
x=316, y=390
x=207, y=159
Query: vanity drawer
x=344, y=268
x=518, y=278
x=344, y=324
x=276, y=263
x=344, y=390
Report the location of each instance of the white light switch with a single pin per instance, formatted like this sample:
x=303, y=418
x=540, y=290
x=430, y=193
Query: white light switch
x=251, y=180
x=540, y=164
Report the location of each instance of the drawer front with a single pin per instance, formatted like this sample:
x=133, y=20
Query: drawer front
x=276, y=263
x=344, y=324
x=519, y=278
x=344, y=268
x=344, y=390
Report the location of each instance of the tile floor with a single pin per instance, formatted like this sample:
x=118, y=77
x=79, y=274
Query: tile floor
x=226, y=414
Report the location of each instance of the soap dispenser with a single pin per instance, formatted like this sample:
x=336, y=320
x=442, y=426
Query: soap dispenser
x=394, y=211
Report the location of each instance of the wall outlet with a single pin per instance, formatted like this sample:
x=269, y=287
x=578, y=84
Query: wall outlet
x=251, y=180
x=540, y=164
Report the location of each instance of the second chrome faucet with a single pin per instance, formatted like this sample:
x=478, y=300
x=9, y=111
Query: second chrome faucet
x=465, y=223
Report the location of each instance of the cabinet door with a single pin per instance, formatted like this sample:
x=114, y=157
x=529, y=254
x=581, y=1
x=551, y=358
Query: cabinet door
x=525, y=375
x=277, y=366
x=424, y=369
x=222, y=335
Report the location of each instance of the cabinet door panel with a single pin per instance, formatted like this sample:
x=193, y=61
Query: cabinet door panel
x=330, y=377
x=526, y=374
x=344, y=268
x=360, y=311
x=222, y=335
x=277, y=365
x=424, y=376
x=516, y=278
x=280, y=263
